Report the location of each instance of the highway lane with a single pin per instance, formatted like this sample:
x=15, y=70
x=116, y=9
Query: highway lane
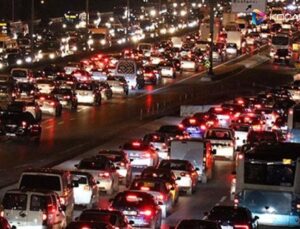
x=77, y=132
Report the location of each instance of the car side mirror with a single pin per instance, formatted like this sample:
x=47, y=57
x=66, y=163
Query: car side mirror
x=97, y=182
x=160, y=203
x=76, y=166
x=197, y=169
x=76, y=218
x=75, y=184
x=178, y=178
x=117, y=168
x=131, y=222
x=244, y=141
x=172, y=189
x=13, y=227
x=131, y=160
x=255, y=218
x=214, y=151
x=63, y=208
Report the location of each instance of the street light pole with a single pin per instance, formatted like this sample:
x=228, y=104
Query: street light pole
x=31, y=32
x=13, y=10
x=87, y=12
x=211, y=28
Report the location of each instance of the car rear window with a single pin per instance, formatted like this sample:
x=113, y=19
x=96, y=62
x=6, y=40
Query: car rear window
x=15, y=201
x=35, y=181
x=228, y=213
x=93, y=165
x=108, y=217
x=19, y=74
x=133, y=200
x=39, y=203
x=216, y=134
x=146, y=186
x=81, y=179
x=180, y=165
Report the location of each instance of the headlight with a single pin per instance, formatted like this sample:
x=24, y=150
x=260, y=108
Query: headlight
x=172, y=30
x=74, y=48
x=19, y=62
x=1, y=50
x=77, y=26
x=28, y=59
x=40, y=56
x=64, y=26
x=90, y=41
x=1, y=65
x=52, y=56
x=163, y=31
x=63, y=40
x=103, y=42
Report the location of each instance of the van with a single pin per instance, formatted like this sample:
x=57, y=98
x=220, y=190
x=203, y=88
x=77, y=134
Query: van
x=21, y=75
x=26, y=209
x=197, y=152
x=59, y=181
x=132, y=72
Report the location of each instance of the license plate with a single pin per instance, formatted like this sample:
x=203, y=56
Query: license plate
x=129, y=212
x=10, y=134
x=193, y=129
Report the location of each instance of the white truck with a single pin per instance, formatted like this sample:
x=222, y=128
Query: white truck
x=198, y=152
x=279, y=41
x=235, y=37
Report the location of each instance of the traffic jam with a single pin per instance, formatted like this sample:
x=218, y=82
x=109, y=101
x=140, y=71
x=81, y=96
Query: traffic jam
x=142, y=182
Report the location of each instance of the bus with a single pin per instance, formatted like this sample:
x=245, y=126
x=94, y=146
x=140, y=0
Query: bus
x=267, y=183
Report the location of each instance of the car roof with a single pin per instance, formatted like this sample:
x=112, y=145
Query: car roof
x=31, y=190
x=46, y=171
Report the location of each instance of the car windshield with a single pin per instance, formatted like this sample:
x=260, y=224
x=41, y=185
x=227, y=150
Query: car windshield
x=179, y=165
x=154, y=138
x=107, y=216
x=262, y=136
x=145, y=185
x=15, y=201
x=137, y=200
x=93, y=165
x=270, y=173
x=218, y=134
x=35, y=181
x=228, y=214
x=19, y=74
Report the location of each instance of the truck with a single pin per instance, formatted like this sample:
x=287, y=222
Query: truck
x=280, y=41
x=99, y=37
x=205, y=31
x=196, y=151
x=228, y=18
x=235, y=37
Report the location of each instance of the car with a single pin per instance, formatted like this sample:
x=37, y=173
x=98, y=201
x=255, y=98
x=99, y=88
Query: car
x=20, y=124
x=231, y=49
x=118, y=85
x=113, y=217
x=197, y=224
x=263, y=137
x=232, y=216
x=141, y=154
x=105, y=90
x=59, y=181
x=222, y=141
x=159, y=142
x=139, y=207
x=66, y=97
x=71, y=67
x=282, y=56
x=49, y=104
x=26, y=91
x=89, y=225
x=169, y=178
x=171, y=131
x=45, y=85
x=186, y=174
x=224, y=115
x=21, y=74
x=121, y=161
x=158, y=189
x=151, y=75
x=86, y=191
x=103, y=171
x=28, y=208
x=167, y=69
x=82, y=75
x=88, y=93
x=65, y=81
x=29, y=106
x=52, y=71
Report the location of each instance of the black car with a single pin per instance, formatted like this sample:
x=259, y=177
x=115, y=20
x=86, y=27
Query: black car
x=26, y=90
x=20, y=124
x=171, y=131
x=197, y=224
x=139, y=207
x=66, y=97
x=89, y=224
x=236, y=217
x=51, y=71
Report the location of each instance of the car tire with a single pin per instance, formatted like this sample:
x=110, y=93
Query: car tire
x=189, y=192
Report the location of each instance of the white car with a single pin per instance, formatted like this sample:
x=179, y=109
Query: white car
x=188, y=65
x=167, y=70
x=88, y=93
x=240, y=132
x=85, y=191
x=45, y=86
x=231, y=49
x=103, y=171
x=33, y=209
x=21, y=75
x=186, y=174
x=222, y=141
x=159, y=142
x=118, y=85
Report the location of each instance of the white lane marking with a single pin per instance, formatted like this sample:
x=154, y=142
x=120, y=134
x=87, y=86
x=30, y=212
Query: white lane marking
x=60, y=123
x=223, y=199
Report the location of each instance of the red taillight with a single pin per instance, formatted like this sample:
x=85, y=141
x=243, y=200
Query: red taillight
x=45, y=216
x=2, y=214
x=52, y=103
x=146, y=155
x=241, y=227
x=146, y=212
x=24, y=124
x=62, y=200
x=183, y=174
x=42, y=98
x=160, y=197
x=145, y=188
x=236, y=201
x=104, y=174
x=136, y=144
x=67, y=97
x=240, y=156
x=203, y=127
x=193, y=121
x=298, y=207
x=218, y=109
x=181, y=126
x=240, y=101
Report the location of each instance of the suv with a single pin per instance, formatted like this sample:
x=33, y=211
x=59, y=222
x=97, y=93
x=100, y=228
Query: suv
x=20, y=124
x=26, y=106
x=33, y=209
x=53, y=180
